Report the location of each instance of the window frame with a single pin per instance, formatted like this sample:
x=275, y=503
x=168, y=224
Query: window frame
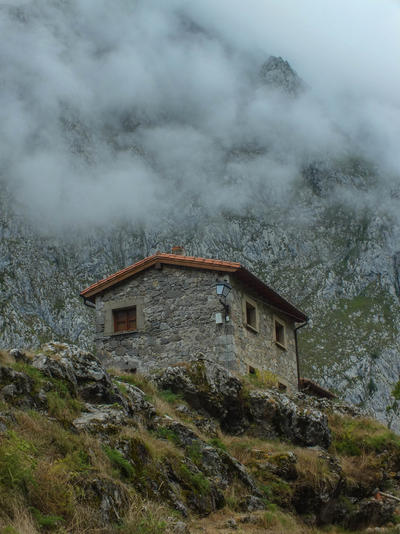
x=281, y=323
x=117, y=311
x=252, y=327
x=112, y=306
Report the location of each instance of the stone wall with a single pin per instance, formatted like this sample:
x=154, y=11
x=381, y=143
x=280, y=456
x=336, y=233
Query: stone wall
x=258, y=349
x=176, y=310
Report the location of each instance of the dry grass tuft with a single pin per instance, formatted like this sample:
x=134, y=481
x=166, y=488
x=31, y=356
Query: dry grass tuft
x=51, y=492
x=147, y=517
x=158, y=448
x=261, y=379
x=313, y=469
x=6, y=358
x=135, y=379
x=362, y=471
x=22, y=521
x=245, y=449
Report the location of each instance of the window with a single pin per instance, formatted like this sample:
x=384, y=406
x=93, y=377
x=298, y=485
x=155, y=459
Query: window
x=279, y=333
x=125, y=320
x=123, y=315
x=250, y=314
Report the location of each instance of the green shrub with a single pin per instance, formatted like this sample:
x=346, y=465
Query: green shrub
x=218, y=444
x=17, y=461
x=121, y=463
x=166, y=433
x=63, y=408
x=46, y=522
x=194, y=452
x=170, y=396
x=353, y=436
x=195, y=480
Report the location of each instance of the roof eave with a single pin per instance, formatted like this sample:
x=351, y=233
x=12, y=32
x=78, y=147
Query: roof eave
x=237, y=269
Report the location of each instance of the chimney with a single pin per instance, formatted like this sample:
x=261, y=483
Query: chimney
x=179, y=251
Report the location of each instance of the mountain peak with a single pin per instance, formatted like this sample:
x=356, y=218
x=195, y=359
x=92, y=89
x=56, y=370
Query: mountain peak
x=277, y=73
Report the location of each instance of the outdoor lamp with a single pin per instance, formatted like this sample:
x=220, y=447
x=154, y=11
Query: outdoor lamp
x=223, y=289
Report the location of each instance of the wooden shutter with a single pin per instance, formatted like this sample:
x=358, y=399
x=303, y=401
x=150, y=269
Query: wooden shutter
x=125, y=320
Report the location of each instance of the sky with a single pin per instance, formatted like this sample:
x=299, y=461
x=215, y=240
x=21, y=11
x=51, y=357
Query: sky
x=120, y=110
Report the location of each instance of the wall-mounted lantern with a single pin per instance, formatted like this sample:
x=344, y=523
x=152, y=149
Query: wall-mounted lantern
x=223, y=289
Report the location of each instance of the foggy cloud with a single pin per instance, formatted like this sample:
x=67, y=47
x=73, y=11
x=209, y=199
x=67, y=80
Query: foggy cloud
x=125, y=109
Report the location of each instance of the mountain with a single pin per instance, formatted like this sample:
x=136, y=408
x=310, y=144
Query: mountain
x=340, y=265
x=168, y=126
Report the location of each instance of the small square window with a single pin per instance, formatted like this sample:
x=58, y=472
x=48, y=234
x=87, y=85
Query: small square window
x=279, y=333
x=125, y=320
x=251, y=315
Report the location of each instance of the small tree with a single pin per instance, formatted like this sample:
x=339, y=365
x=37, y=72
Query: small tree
x=393, y=409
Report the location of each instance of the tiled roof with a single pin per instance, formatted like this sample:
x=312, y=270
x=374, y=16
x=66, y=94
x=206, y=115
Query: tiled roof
x=309, y=386
x=197, y=263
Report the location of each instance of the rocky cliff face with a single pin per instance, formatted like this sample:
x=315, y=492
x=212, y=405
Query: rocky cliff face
x=341, y=269
x=315, y=218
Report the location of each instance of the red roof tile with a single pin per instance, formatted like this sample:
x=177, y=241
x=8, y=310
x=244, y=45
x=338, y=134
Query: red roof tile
x=198, y=263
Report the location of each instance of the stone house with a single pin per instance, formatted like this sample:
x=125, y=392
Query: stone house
x=165, y=309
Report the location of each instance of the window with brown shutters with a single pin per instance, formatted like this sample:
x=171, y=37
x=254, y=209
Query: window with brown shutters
x=279, y=333
x=125, y=320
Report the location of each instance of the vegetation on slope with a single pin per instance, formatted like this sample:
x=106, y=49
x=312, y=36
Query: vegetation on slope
x=108, y=478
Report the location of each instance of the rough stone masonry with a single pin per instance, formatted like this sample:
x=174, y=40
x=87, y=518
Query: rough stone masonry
x=176, y=311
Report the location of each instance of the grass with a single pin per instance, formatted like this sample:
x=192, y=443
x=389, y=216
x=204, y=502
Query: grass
x=218, y=444
x=260, y=379
x=166, y=433
x=124, y=467
x=17, y=462
x=159, y=448
x=195, y=480
x=134, y=379
x=313, y=469
x=170, y=397
x=245, y=449
x=357, y=436
x=46, y=521
x=6, y=358
x=362, y=472
x=146, y=517
x=65, y=409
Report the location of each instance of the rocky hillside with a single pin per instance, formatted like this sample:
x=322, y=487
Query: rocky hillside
x=342, y=270
x=189, y=449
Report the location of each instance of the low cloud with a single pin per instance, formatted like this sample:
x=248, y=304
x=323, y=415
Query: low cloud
x=137, y=108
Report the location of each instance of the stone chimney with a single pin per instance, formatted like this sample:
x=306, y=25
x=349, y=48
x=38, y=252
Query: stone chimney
x=179, y=251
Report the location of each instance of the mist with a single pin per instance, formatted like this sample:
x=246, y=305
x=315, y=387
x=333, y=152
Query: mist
x=133, y=109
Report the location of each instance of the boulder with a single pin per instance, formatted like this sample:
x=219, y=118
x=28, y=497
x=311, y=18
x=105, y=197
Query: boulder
x=101, y=418
x=368, y=512
x=81, y=370
x=113, y=498
x=206, y=386
x=274, y=414
x=209, y=387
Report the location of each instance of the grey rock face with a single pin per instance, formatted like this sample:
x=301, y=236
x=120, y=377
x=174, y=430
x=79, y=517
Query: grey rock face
x=332, y=259
x=80, y=369
x=113, y=497
x=208, y=386
x=277, y=73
